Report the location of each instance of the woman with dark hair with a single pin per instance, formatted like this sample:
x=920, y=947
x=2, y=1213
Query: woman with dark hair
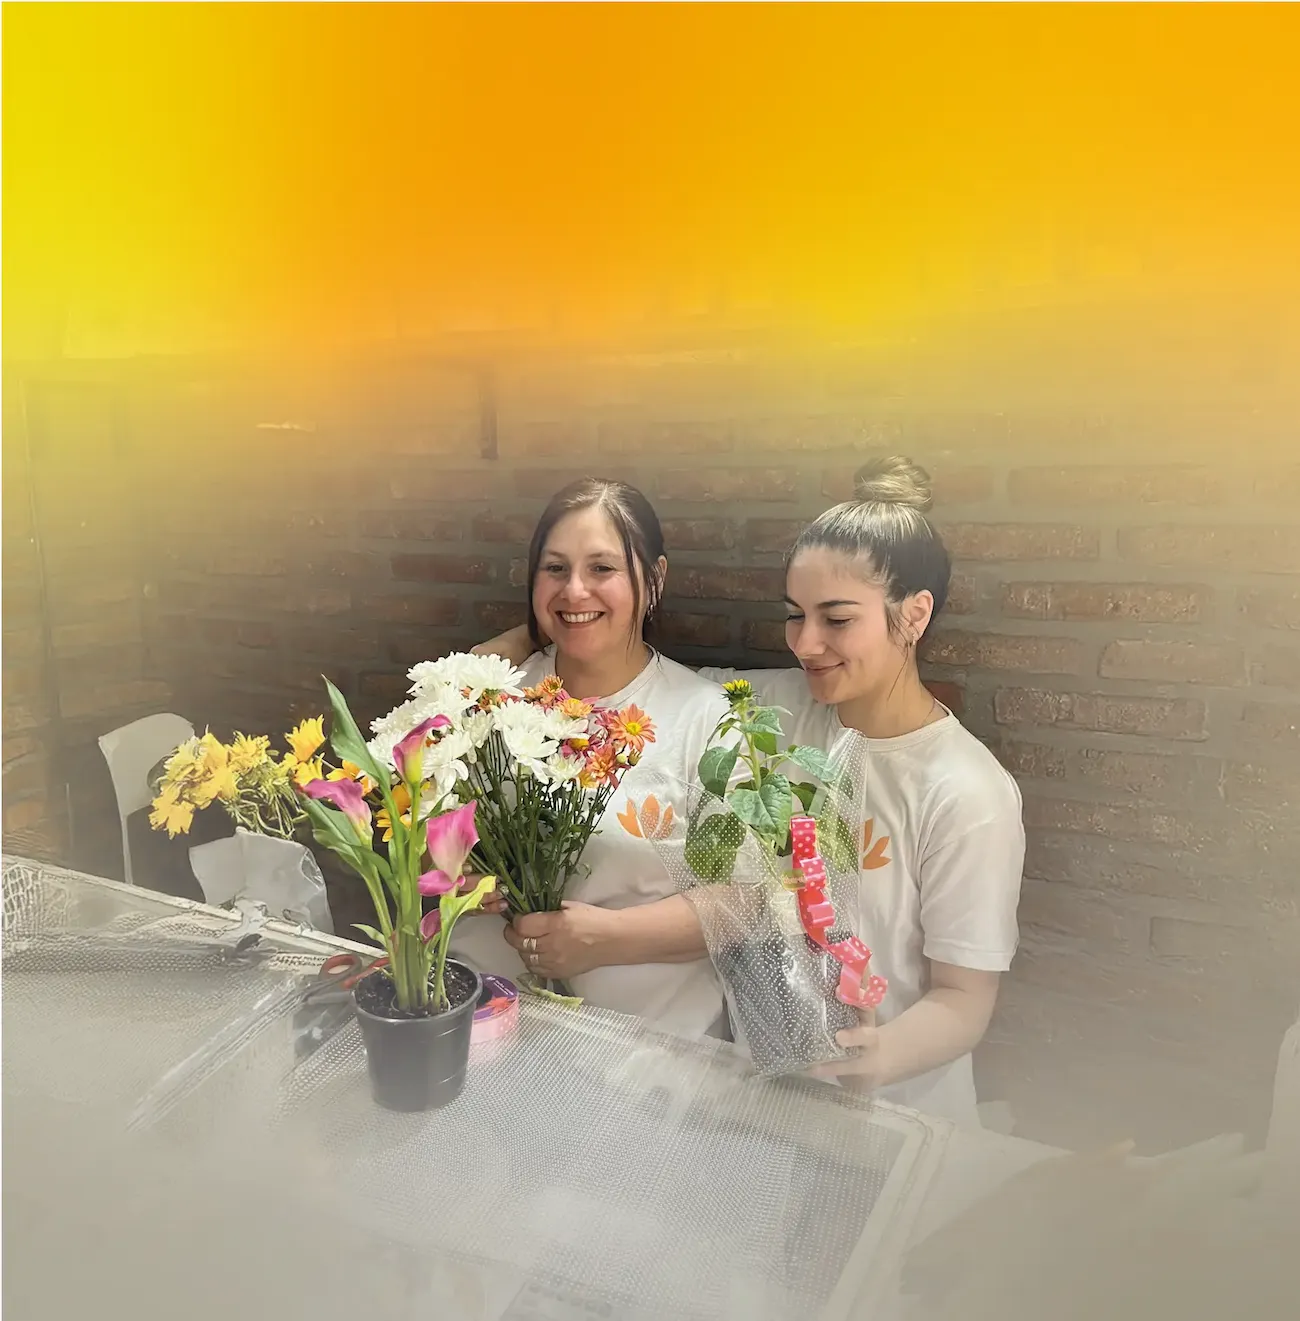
x=596, y=569
x=939, y=881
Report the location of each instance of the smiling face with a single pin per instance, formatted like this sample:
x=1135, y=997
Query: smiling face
x=838, y=627
x=585, y=593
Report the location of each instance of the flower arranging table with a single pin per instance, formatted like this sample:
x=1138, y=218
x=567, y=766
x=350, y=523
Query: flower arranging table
x=592, y=1165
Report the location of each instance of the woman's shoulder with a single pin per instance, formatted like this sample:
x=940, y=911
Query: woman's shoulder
x=966, y=781
x=684, y=687
x=538, y=666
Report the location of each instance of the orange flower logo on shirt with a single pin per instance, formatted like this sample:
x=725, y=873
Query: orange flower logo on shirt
x=648, y=823
x=873, y=855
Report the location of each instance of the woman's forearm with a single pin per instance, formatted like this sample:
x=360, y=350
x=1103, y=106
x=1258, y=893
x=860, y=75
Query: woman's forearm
x=666, y=931
x=943, y=1025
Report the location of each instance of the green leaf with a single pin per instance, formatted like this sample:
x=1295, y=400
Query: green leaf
x=346, y=740
x=769, y=810
x=764, y=741
x=711, y=847
x=716, y=767
x=376, y=936
x=805, y=794
x=812, y=760
x=333, y=830
x=764, y=718
x=454, y=903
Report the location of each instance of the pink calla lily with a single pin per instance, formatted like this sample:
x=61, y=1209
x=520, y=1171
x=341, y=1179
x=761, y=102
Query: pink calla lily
x=408, y=755
x=430, y=924
x=451, y=837
x=349, y=797
x=437, y=882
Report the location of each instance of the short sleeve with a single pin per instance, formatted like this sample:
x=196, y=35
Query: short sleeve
x=970, y=889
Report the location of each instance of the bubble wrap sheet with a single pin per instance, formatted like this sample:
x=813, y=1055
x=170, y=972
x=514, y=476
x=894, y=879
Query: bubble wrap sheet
x=593, y=1167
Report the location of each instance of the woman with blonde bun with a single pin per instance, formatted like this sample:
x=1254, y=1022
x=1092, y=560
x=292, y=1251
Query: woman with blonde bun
x=940, y=875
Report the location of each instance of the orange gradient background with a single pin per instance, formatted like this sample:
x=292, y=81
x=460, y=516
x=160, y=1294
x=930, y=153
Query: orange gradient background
x=300, y=171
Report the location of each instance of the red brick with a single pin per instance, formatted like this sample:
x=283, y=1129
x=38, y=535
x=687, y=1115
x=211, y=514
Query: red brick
x=699, y=438
x=1034, y=760
x=443, y=569
x=518, y=573
x=1272, y=722
x=242, y=560
x=391, y=689
x=118, y=632
x=772, y=535
x=433, y=484
x=963, y=595
x=1145, y=603
x=1174, y=662
x=332, y=563
x=15, y=746
x=1248, y=548
x=410, y=525
x=28, y=711
x=1261, y=785
x=222, y=632
x=317, y=600
x=1020, y=541
x=25, y=814
x=74, y=596
x=1277, y=667
x=425, y=609
x=31, y=775
x=952, y=695
x=513, y=529
x=495, y=617
x=1179, y=484
x=1108, y=864
x=1180, y=775
x=1103, y=713
x=694, y=630
x=1128, y=821
x=1092, y=916
x=951, y=486
x=1271, y=607
x=24, y=646
x=723, y=485
x=1212, y=942
x=765, y=635
x=995, y=651
x=725, y=584
x=546, y=440
x=699, y=534
x=543, y=483
x=105, y=699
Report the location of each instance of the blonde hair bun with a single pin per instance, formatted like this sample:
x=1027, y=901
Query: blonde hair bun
x=892, y=480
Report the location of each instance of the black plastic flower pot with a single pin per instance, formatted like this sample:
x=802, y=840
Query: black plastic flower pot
x=786, y=1003
x=417, y=1061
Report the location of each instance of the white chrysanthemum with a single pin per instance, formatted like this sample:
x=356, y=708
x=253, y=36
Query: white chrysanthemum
x=530, y=749
x=562, y=769
x=520, y=717
x=469, y=675
x=477, y=727
x=558, y=726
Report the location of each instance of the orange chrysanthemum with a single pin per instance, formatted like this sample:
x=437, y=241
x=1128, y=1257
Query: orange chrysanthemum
x=631, y=728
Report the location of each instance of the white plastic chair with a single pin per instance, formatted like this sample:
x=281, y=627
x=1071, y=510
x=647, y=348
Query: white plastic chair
x=131, y=753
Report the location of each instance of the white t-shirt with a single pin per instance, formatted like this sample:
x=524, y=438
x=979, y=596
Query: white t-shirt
x=940, y=875
x=685, y=998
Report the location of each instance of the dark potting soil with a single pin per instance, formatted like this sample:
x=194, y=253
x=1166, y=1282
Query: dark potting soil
x=377, y=995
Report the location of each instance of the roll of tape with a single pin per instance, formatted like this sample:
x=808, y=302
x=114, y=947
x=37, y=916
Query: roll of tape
x=497, y=1014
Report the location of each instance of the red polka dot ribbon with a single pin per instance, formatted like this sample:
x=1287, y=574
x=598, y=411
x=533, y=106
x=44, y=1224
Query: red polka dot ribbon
x=817, y=914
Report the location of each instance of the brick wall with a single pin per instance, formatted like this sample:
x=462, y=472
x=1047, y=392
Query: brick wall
x=1124, y=628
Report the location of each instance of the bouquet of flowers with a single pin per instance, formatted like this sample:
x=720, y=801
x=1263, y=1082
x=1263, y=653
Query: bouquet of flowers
x=272, y=795
x=541, y=765
x=770, y=865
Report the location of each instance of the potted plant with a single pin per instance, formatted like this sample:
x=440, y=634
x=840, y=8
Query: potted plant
x=416, y=1006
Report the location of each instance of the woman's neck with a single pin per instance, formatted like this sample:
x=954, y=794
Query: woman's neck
x=592, y=680
x=898, y=709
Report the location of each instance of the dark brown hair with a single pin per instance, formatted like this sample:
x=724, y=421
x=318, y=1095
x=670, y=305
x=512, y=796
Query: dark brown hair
x=885, y=528
x=639, y=533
